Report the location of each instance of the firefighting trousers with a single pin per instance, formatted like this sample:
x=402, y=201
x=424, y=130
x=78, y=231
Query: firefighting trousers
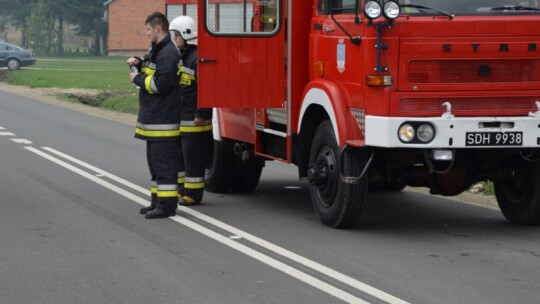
x=194, y=153
x=163, y=164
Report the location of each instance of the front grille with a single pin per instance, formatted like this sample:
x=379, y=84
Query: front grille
x=516, y=105
x=474, y=71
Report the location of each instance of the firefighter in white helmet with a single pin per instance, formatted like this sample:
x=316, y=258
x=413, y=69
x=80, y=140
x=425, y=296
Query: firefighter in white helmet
x=195, y=122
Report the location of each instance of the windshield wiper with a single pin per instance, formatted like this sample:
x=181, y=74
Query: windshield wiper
x=449, y=15
x=515, y=8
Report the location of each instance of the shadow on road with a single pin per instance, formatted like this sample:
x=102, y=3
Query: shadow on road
x=403, y=212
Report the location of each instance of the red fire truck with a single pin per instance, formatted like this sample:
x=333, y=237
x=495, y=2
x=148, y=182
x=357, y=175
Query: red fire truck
x=365, y=94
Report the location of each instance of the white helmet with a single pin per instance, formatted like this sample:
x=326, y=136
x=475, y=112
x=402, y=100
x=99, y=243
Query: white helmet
x=187, y=27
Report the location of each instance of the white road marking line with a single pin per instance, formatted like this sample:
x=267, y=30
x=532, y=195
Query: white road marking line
x=2, y=128
x=254, y=239
x=100, y=171
x=304, y=277
x=6, y=134
x=338, y=276
x=22, y=141
x=89, y=176
x=235, y=237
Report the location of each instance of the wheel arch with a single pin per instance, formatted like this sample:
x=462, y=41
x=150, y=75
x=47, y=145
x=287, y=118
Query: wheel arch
x=322, y=100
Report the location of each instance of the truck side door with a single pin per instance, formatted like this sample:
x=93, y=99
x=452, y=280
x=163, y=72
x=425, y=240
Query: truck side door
x=241, y=53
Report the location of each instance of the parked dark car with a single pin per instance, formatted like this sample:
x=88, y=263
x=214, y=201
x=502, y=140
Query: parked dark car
x=14, y=57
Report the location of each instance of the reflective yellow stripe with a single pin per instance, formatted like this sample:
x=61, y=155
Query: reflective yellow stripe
x=148, y=71
x=191, y=129
x=148, y=84
x=186, y=79
x=170, y=193
x=152, y=133
x=181, y=180
x=153, y=189
x=194, y=185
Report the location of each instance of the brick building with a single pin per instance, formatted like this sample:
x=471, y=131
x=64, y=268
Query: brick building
x=127, y=33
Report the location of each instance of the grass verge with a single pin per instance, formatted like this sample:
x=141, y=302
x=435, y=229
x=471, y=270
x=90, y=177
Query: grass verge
x=106, y=77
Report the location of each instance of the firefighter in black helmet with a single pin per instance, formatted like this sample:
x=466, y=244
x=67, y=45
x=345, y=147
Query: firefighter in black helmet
x=158, y=119
x=195, y=123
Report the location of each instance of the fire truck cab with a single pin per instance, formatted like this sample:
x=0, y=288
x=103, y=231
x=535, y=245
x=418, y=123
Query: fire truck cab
x=375, y=94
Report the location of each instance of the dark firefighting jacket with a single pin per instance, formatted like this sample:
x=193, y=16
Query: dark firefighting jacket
x=159, y=108
x=187, y=70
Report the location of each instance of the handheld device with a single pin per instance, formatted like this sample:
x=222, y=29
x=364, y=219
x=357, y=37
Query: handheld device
x=135, y=70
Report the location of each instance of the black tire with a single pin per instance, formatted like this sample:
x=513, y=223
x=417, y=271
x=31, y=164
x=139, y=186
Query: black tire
x=518, y=196
x=13, y=63
x=247, y=175
x=336, y=203
x=220, y=168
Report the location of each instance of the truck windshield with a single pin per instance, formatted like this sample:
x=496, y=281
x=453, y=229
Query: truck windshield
x=468, y=7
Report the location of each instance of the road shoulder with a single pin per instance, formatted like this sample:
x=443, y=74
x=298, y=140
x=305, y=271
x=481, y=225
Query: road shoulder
x=47, y=96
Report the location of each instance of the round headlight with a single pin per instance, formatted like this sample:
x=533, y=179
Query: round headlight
x=391, y=10
x=406, y=133
x=372, y=9
x=425, y=133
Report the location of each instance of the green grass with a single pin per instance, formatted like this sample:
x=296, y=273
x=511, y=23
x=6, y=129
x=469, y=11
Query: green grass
x=108, y=75
x=490, y=190
x=487, y=188
x=100, y=73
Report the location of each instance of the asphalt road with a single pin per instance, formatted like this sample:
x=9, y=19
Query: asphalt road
x=70, y=232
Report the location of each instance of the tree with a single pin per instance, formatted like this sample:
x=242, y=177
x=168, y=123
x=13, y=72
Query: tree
x=87, y=16
x=16, y=12
x=39, y=28
x=42, y=21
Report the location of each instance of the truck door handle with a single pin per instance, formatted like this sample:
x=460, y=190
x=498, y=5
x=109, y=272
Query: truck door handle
x=204, y=60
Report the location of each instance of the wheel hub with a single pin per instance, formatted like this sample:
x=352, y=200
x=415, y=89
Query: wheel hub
x=323, y=174
x=318, y=174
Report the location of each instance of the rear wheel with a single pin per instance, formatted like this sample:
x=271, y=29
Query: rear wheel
x=247, y=174
x=13, y=63
x=336, y=203
x=220, y=167
x=518, y=194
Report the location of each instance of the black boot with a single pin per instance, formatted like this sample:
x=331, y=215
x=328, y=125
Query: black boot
x=145, y=210
x=159, y=213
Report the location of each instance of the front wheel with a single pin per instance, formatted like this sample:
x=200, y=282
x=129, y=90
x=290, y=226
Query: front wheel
x=336, y=203
x=13, y=64
x=518, y=194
